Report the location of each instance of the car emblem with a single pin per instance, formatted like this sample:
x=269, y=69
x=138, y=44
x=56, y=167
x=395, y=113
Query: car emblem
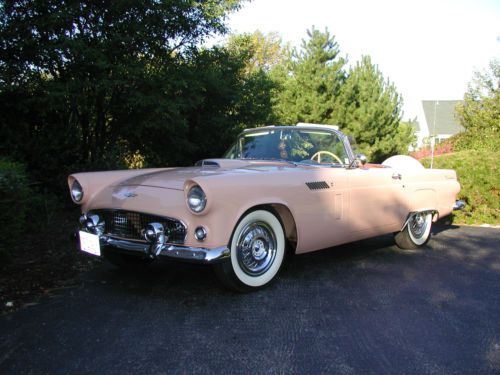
x=130, y=195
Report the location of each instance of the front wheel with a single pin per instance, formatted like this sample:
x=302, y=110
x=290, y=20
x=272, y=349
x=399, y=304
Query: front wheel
x=257, y=252
x=417, y=231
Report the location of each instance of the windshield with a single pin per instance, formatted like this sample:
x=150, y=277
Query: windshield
x=294, y=145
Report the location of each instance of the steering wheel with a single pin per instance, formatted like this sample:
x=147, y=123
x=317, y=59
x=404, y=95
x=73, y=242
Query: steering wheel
x=319, y=153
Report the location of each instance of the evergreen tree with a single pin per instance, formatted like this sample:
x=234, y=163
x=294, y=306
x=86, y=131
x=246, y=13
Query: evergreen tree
x=369, y=109
x=310, y=81
x=313, y=86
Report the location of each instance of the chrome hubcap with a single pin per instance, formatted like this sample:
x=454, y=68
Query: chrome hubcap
x=418, y=224
x=256, y=248
x=259, y=250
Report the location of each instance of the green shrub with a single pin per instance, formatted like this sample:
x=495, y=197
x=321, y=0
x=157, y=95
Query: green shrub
x=23, y=209
x=478, y=174
x=486, y=140
x=14, y=196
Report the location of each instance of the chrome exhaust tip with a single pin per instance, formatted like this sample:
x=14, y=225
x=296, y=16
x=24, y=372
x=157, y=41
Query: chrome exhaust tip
x=459, y=205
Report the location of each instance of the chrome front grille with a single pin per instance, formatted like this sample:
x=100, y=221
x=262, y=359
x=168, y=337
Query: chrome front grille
x=129, y=225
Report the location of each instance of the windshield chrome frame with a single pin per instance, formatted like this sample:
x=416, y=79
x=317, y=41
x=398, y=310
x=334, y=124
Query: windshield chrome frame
x=338, y=133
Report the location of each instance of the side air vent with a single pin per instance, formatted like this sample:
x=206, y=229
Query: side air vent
x=317, y=185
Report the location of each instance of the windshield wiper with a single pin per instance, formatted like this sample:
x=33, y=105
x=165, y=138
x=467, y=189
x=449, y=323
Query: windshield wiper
x=281, y=160
x=272, y=159
x=316, y=164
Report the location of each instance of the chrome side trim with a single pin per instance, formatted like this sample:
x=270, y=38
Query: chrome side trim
x=459, y=205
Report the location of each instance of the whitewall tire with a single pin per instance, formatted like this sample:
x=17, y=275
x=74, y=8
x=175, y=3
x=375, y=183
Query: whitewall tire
x=417, y=231
x=257, y=252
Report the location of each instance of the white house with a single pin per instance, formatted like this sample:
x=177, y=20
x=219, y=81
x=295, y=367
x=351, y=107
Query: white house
x=437, y=119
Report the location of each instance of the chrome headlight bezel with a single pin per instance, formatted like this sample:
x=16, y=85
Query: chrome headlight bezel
x=196, y=199
x=76, y=191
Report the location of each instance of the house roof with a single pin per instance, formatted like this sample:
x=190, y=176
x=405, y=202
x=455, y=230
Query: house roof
x=444, y=113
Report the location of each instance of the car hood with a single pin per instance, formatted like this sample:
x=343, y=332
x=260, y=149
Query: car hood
x=175, y=178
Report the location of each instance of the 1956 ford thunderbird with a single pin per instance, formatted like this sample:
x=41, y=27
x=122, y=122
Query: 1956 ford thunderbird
x=297, y=187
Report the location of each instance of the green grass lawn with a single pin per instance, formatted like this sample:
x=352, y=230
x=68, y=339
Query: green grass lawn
x=479, y=177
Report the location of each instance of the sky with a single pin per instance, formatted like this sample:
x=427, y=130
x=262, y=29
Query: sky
x=428, y=49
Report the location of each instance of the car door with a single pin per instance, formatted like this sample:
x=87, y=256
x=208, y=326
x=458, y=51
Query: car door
x=377, y=201
x=320, y=206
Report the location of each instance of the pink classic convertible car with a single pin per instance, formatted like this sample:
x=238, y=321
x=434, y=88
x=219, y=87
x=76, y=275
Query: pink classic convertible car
x=297, y=187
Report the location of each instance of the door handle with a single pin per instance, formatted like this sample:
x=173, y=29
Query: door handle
x=396, y=176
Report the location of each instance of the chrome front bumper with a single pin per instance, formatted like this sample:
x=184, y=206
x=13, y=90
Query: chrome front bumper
x=179, y=252
x=153, y=240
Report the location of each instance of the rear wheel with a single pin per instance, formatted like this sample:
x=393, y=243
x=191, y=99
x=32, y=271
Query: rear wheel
x=257, y=252
x=417, y=231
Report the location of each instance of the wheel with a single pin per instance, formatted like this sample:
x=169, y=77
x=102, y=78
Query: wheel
x=417, y=231
x=126, y=261
x=319, y=153
x=257, y=252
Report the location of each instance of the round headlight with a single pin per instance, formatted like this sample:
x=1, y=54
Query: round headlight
x=76, y=191
x=196, y=199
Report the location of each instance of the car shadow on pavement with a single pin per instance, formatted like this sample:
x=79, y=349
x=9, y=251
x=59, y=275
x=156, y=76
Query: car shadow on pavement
x=444, y=224
x=175, y=279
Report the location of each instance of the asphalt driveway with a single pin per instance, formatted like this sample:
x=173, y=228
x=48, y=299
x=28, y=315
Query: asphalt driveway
x=364, y=308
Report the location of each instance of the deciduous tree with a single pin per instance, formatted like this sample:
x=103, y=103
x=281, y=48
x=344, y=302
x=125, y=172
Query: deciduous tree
x=84, y=83
x=480, y=111
x=262, y=52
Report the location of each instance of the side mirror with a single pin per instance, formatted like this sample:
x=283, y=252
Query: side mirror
x=359, y=161
x=361, y=158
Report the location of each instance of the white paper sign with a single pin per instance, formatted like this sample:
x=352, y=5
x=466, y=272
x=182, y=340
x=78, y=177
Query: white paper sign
x=90, y=243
